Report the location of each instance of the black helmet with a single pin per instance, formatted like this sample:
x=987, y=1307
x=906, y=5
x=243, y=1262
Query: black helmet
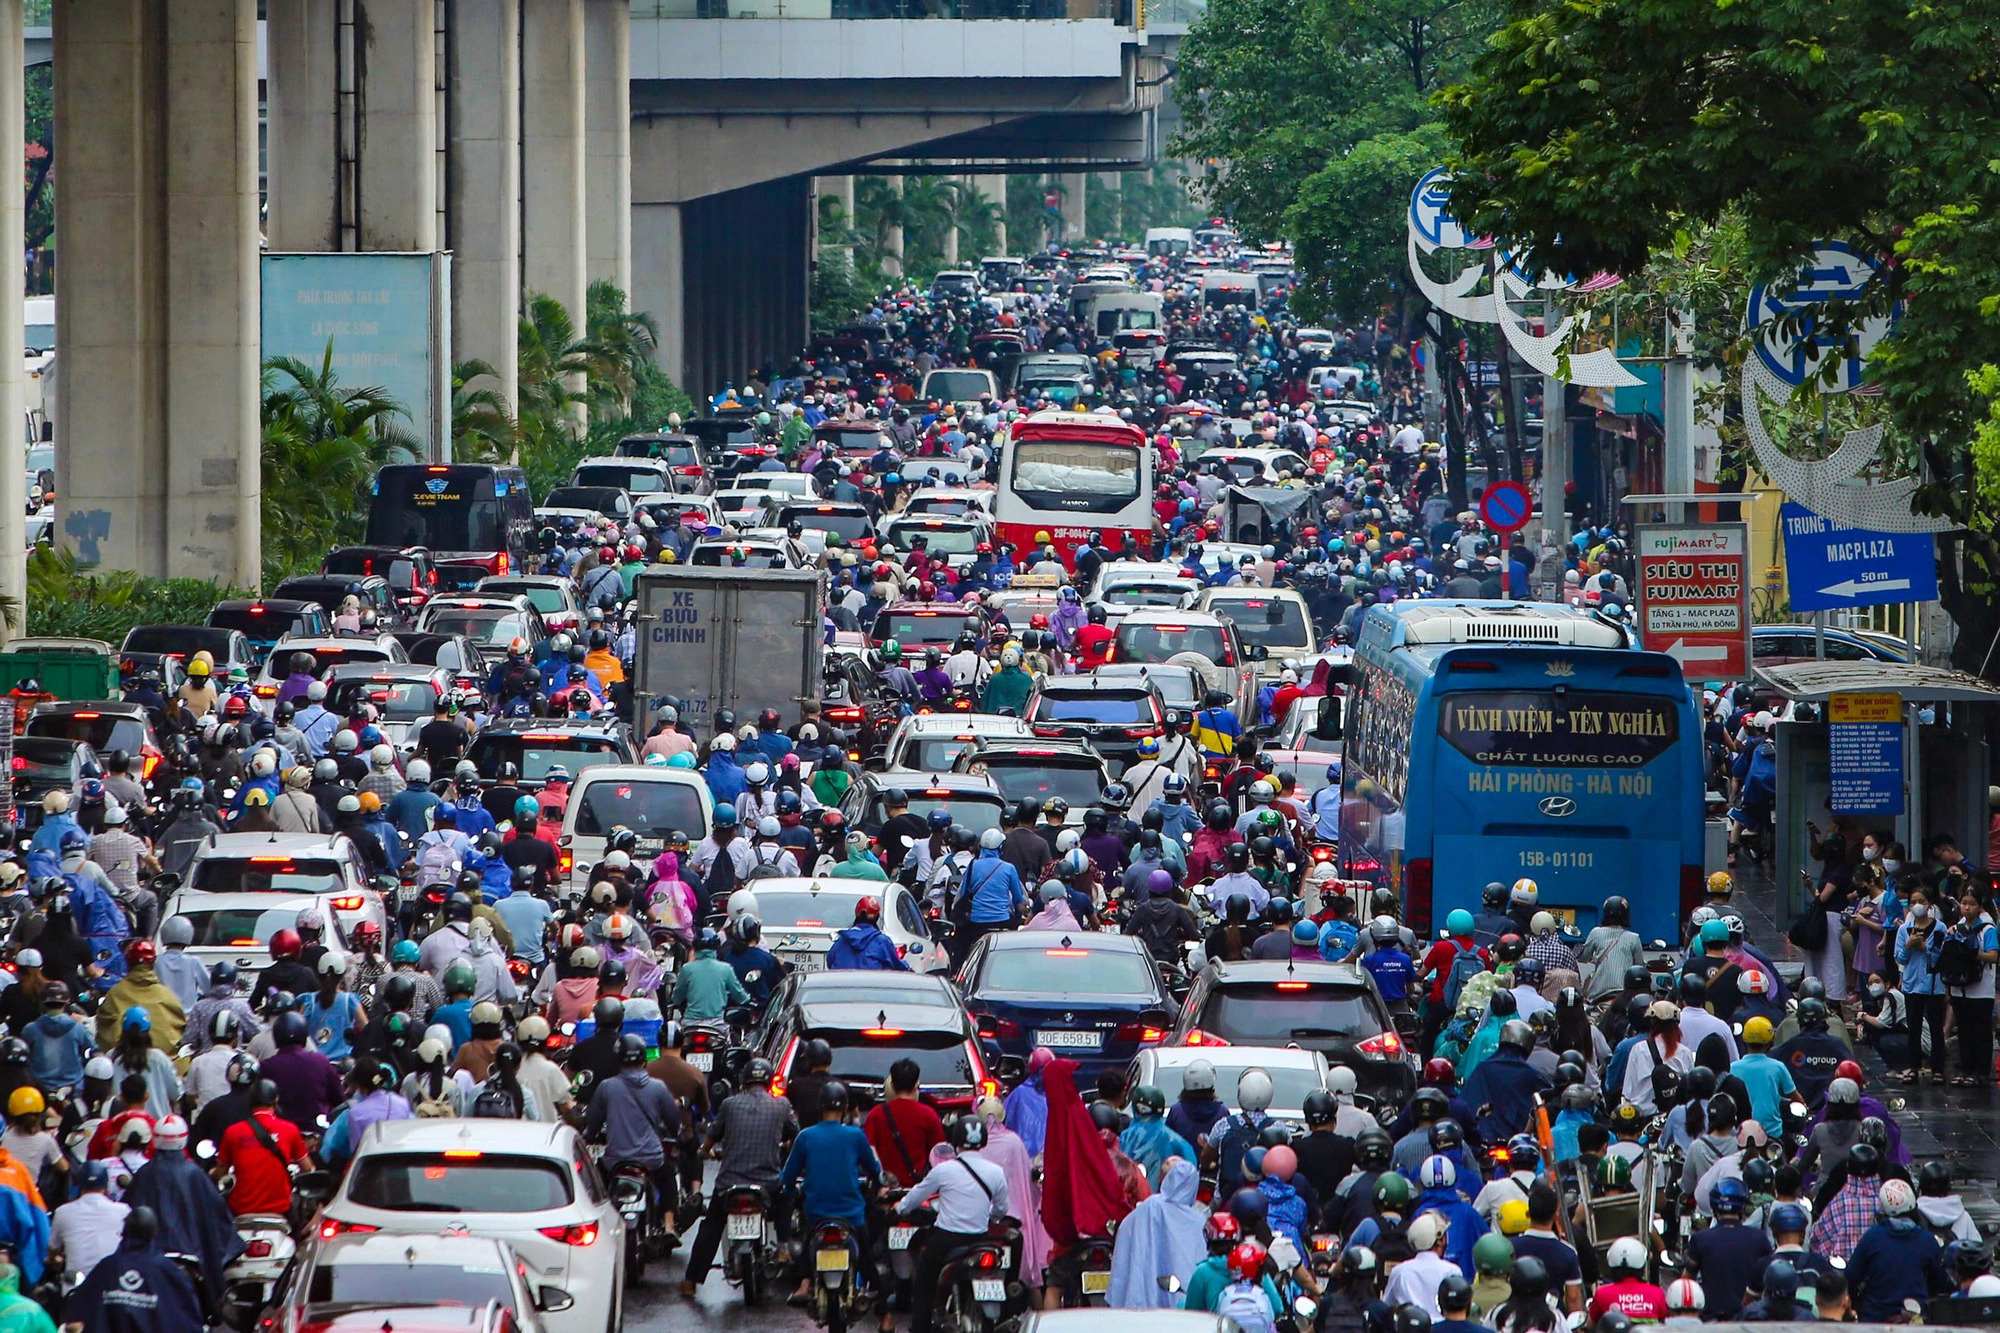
x=1864, y=1159
x=1106, y=1116
x=1237, y=909
x=1517, y=1036
x=263, y=1093
x=1446, y=1135
x=1455, y=1293
x=13, y=1053
x=1694, y=989
x=399, y=992
x=833, y=1096
x=458, y=907
x=757, y=1072
x=1217, y=815
x=1096, y=820
x=1411, y=1319
x=1812, y=1015
x=1638, y=978
x=608, y=1013
x=1238, y=856
x=1504, y=1004
x=1320, y=1108
x=1429, y=1104
x=1373, y=1148
x=1635, y=1011
x=621, y=839
x=1528, y=1280
x=1615, y=912
x=817, y=1054
x=1781, y=1281
x=1934, y=1178
x=1494, y=896
x=1510, y=948
x=631, y=1049
x=242, y=1070
x=1027, y=810
x=611, y=973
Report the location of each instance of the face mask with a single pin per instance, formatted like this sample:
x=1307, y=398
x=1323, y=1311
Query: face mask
x=1878, y=991
x=1892, y=866
x=1871, y=853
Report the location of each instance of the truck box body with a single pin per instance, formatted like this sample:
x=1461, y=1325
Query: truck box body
x=721, y=637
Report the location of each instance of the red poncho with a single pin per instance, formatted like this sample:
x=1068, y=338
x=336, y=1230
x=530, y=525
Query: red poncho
x=1081, y=1192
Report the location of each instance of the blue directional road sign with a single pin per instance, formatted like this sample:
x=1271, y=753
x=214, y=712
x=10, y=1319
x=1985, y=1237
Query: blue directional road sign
x=1830, y=565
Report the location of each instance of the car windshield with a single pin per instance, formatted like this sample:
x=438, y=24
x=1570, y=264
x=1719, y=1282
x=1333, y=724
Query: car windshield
x=921, y=628
x=181, y=641
x=850, y=526
x=104, y=731
x=495, y=626
x=1042, y=778
x=621, y=477
x=537, y=754
x=798, y=907
x=239, y=927
x=258, y=622
x=940, y=504
x=465, y=1181
x=541, y=596
x=398, y=700
x=1289, y=1084
x=849, y=441
x=382, y=1286
x=976, y=813
x=935, y=754
x=1098, y=707
x=265, y=874
x=942, y=539
x=1274, y=622
x=1264, y=1015
x=325, y=656
x=1156, y=642
x=649, y=809
x=1056, y=970
x=955, y=386
x=1146, y=594
x=941, y=1057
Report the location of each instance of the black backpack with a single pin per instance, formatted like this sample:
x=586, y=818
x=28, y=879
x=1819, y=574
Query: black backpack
x=495, y=1103
x=721, y=879
x=1958, y=963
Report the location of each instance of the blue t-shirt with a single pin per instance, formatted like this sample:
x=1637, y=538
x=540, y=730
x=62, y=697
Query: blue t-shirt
x=1393, y=971
x=458, y=1017
x=830, y=1158
x=328, y=1022
x=1769, y=1083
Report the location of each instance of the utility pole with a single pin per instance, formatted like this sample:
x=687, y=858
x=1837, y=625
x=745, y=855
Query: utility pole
x=1677, y=411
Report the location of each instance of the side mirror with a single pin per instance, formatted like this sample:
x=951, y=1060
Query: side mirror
x=552, y=1300
x=1257, y=652
x=1328, y=726
x=317, y=1185
x=166, y=881
x=1013, y=1068
x=205, y=1150
x=1168, y=1282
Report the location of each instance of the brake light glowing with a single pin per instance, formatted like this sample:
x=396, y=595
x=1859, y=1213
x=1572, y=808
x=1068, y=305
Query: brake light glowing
x=1386, y=1045
x=464, y=1154
x=987, y=1259
x=778, y=1084
x=86, y=715
x=328, y=1230
x=1199, y=1038
x=1143, y=1033
x=257, y=1249
x=880, y=1033
x=576, y=1233
x=1292, y=985
x=565, y=861
x=1066, y=953
x=270, y=860
x=991, y=1026
x=266, y=691
x=347, y=903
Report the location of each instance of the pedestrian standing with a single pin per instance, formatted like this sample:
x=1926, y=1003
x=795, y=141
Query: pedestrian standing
x=1972, y=1004
x=1919, y=940
x=1831, y=895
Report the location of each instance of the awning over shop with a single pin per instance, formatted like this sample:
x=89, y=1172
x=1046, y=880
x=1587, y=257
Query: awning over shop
x=1815, y=681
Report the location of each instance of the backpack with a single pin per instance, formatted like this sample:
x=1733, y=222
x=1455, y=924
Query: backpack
x=427, y=1107
x=720, y=881
x=436, y=864
x=1465, y=965
x=765, y=869
x=1760, y=782
x=1958, y=964
x=495, y=1103
x=1244, y=1302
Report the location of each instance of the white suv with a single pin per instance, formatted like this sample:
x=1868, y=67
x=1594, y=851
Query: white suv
x=525, y=1182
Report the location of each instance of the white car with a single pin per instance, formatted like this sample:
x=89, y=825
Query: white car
x=1275, y=619
x=932, y=742
x=795, y=484
x=1294, y=1073
x=325, y=651
x=651, y=801
x=551, y=594
x=1256, y=467
x=742, y=506
x=949, y=500
x=801, y=917
x=238, y=927
x=392, y=1281
x=1124, y=585
x=289, y=865
x=525, y=1182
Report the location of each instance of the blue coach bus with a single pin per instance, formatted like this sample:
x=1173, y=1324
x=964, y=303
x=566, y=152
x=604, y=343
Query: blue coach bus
x=1490, y=741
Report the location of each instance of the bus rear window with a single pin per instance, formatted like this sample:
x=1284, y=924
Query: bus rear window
x=1542, y=729
x=1076, y=475
x=453, y=510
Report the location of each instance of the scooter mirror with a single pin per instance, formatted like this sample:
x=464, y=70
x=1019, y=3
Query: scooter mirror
x=205, y=1150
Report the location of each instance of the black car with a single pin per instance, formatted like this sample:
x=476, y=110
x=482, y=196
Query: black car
x=852, y=709
x=43, y=764
x=1111, y=719
x=874, y=1019
x=330, y=590
x=1039, y=770
x=534, y=745
x=1332, y=1008
x=973, y=801
x=226, y=647
x=1089, y=996
x=265, y=620
x=409, y=570
x=103, y=724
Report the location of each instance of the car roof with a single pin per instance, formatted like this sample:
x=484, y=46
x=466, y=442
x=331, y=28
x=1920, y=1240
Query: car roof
x=1277, y=969
x=314, y=642
x=921, y=1013
x=205, y=900
x=1141, y=615
x=943, y=610
x=971, y=784
x=1042, y=746
x=526, y=580
x=1248, y=593
x=620, y=460
x=269, y=603
x=1179, y=1057
x=535, y=1137
x=1085, y=685
x=237, y=845
x=1078, y=939
x=684, y=777
x=913, y=987
x=122, y=707
x=1138, y=571
x=988, y=724
x=384, y=670
x=568, y=726
x=1113, y=670
x=515, y=601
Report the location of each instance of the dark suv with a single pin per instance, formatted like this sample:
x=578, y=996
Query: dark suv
x=1332, y=1008
x=1110, y=718
x=874, y=1019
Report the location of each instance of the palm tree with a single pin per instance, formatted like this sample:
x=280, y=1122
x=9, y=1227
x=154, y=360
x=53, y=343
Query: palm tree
x=620, y=343
x=482, y=424
x=322, y=443
x=554, y=376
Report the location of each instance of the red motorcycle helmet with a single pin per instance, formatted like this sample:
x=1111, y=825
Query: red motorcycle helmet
x=926, y=591
x=1224, y=1226
x=286, y=943
x=1439, y=1074
x=140, y=953
x=1850, y=1069
x=1038, y=621
x=1246, y=1261
x=868, y=908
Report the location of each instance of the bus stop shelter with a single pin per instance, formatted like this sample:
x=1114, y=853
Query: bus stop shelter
x=1900, y=748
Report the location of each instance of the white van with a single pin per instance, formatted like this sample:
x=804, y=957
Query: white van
x=1172, y=242
x=651, y=801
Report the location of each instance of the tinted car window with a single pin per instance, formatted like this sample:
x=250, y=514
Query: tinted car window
x=1158, y=642
x=433, y=1183
x=265, y=874
x=1136, y=709
x=649, y=809
x=941, y=1056
x=535, y=756
x=1044, y=778
x=104, y=731
x=1263, y=1015
x=383, y=1285
x=1059, y=971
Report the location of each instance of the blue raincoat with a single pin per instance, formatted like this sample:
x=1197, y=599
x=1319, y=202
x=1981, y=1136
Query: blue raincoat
x=1162, y=1236
x=1286, y=1211
x=1149, y=1142
x=1028, y=1113
x=1466, y=1225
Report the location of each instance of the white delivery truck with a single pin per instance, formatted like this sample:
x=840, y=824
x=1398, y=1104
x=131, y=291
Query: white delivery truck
x=718, y=637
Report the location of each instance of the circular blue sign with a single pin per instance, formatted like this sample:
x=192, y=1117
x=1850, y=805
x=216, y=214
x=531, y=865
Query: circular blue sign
x=1505, y=506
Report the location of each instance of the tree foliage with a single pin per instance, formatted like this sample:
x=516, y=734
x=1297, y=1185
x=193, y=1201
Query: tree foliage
x=1594, y=131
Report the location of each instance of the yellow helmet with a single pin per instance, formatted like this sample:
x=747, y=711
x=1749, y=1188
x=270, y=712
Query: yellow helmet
x=1758, y=1032
x=1720, y=884
x=198, y=668
x=370, y=802
x=25, y=1101
x=1513, y=1217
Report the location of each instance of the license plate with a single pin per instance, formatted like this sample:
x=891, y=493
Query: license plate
x=835, y=1261
x=899, y=1237
x=1096, y=1282
x=1566, y=915
x=804, y=962
x=746, y=1226
x=1080, y=1041
x=702, y=1060
x=652, y=846
x=995, y=1289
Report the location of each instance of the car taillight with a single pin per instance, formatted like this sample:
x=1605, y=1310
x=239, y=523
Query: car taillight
x=1144, y=1033
x=578, y=1234
x=152, y=759
x=1199, y=1038
x=257, y=1249
x=1141, y=733
x=266, y=691
x=844, y=714
x=784, y=1063
x=1048, y=731
x=500, y=567
x=687, y=472
x=1383, y=1046
x=20, y=764
x=991, y=1026
x=1417, y=895
x=329, y=1229
x=565, y=861
x=347, y=903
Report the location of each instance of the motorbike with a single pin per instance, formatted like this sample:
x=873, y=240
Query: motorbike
x=248, y=1282
x=1093, y=1278
x=750, y=1241
x=978, y=1289
x=632, y=1193
x=836, y=1298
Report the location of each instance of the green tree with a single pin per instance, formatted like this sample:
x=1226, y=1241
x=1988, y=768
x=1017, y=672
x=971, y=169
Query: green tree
x=322, y=442
x=1593, y=133
x=482, y=425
